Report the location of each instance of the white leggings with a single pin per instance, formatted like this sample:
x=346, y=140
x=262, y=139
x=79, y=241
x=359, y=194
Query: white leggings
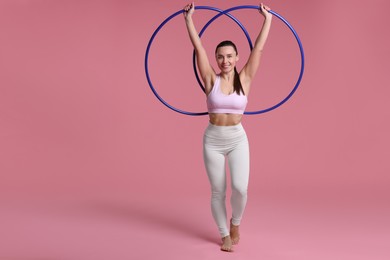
x=220, y=142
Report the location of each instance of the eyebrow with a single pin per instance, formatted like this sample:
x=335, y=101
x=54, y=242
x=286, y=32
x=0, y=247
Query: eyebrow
x=221, y=55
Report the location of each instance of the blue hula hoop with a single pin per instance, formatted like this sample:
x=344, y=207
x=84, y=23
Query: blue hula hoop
x=221, y=12
x=152, y=39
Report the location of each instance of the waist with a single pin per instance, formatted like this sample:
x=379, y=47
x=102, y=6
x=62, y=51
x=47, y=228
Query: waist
x=225, y=119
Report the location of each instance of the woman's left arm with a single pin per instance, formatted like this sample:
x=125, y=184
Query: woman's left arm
x=249, y=70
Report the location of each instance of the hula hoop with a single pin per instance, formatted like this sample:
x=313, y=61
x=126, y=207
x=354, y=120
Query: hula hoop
x=226, y=12
x=292, y=30
x=152, y=39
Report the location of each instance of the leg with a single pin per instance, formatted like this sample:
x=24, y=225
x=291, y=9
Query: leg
x=239, y=169
x=215, y=167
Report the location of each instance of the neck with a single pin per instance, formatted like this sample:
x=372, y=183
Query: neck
x=229, y=76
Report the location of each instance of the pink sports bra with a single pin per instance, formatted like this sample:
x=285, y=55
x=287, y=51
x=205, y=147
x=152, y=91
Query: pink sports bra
x=218, y=102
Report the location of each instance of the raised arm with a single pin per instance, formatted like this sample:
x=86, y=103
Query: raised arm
x=206, y=71
x=249, y=70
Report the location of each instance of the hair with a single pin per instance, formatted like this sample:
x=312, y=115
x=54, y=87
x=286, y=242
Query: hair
x=237, y=82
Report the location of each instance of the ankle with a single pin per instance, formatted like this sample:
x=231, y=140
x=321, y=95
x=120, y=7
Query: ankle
x=233, y=225
x=226, y=237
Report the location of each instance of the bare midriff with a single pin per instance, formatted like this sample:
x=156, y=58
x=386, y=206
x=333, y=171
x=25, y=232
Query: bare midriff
x=225, y=119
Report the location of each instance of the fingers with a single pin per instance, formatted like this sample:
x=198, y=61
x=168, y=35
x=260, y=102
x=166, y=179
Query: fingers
x=189, y=7
x=263, y=8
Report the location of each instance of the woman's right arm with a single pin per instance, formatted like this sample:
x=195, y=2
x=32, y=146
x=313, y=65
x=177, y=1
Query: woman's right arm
x=206, y=71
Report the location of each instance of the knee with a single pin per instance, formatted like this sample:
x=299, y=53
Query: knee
x=240, y=191
x=218, y=193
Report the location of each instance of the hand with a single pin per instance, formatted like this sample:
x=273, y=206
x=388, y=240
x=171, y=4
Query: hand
x=264, y=10
x=189, y=10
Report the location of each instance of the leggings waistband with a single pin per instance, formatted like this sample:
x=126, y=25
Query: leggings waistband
x=224, y=131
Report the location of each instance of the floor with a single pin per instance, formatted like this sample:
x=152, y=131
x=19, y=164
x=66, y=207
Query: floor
x=274, y=229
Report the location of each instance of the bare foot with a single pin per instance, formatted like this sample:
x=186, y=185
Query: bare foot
x=234, y=233
x=227, y=244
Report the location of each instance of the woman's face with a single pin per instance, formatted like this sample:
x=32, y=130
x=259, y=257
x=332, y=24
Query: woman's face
x=226, y=58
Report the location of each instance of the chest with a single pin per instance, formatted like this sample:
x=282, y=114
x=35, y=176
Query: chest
x=226, y=87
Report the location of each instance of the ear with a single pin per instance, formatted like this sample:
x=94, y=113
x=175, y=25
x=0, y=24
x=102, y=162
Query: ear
x=237, y=57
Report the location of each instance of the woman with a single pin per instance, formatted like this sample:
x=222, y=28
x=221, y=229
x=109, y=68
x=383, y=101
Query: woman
x=225, y=137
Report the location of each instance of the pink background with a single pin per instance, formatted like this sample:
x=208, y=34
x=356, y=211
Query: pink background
x=93, y=166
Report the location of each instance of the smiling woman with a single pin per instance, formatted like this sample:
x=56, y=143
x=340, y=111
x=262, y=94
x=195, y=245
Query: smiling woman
x=225, y=137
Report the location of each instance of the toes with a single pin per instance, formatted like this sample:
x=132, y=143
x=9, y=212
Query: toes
x=226, y=249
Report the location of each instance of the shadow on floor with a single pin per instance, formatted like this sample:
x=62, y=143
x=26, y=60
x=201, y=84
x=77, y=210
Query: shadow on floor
x=179, y=221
